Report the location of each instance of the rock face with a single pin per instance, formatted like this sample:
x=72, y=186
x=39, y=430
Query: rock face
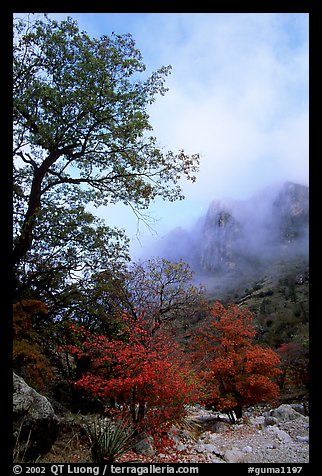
x=291, y=208
x=35, y=424
x=220, y=236
x=236, y=235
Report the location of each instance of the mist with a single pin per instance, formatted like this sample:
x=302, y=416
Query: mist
x=239, y=239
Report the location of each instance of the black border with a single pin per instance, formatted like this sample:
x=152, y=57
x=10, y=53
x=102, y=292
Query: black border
x=263, y=6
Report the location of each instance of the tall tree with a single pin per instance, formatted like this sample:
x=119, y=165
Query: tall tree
x=81, y=124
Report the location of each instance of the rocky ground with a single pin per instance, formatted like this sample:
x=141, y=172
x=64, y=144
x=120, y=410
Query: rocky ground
x=279, y=435
x=263, y=435
x=276, y=434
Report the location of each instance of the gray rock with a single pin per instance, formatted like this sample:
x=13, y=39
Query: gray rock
x=234, y=455
x=200, y=448
x=35, y=424
x=299, y=407
x=270, y=420
x=208, y=448
x=283, y=413
x=217, y=460
x=247, y=449
x=258, y=422
x=281, y=434
x=145, y=446
x=218, y=427
x=180, y=446
x=302, y=439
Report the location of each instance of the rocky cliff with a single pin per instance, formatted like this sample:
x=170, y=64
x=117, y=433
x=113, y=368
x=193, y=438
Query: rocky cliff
x=237, y=236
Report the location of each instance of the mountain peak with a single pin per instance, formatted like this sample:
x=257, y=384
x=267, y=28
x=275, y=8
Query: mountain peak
x=238, y=234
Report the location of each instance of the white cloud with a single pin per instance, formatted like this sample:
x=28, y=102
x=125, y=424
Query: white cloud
x=238, y=95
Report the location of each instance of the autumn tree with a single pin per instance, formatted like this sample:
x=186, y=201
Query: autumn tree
x=235, y=370
x=81, y=126
x=145, y=375
x=28, y=357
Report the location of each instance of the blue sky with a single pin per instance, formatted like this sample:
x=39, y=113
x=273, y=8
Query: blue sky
x=238, y=95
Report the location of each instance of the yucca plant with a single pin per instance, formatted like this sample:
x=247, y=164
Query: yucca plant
x=191, y=426
x=109, y=439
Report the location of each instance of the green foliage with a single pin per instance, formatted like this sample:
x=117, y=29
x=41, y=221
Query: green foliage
x=72, y=244
x=281, y=306
x=80, y=121
x=81, y=139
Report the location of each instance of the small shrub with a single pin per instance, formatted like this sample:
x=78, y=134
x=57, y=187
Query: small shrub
x=109, y=439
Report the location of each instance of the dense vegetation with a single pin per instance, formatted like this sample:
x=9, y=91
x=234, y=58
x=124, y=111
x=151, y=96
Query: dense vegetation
x=93, y=332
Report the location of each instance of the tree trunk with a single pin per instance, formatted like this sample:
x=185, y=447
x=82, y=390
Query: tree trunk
x=24, y=242
x=238, y=411
x=231, y=416
x=141, y=413
x=25, y=239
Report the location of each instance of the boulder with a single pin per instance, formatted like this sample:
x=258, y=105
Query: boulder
x=145, y=446
x=35, y=424
x=284, y=412
x=300, y=408
x=234, y=455
x=302, y=439
x=247, y=449
x=281, y=434
x=208, y=448
x=213, y=423
x=270, y=420
x=219, y=427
